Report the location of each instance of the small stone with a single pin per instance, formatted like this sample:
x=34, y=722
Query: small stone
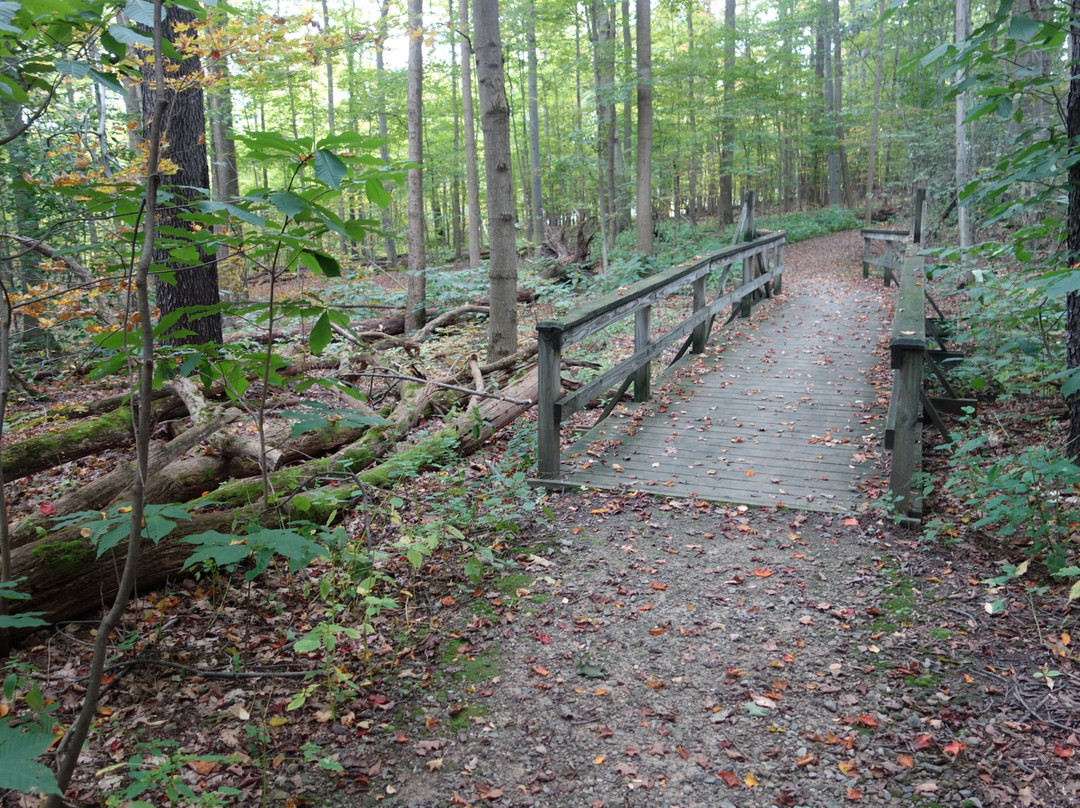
x=830, y=705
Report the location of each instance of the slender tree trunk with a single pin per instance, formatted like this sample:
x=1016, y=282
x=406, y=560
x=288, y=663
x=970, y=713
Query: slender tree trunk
x=833, y=152
x=535, y=172
x=874, y=121
x=838, y=98
x=495, y=117
x=644, y=128
x=455, y=183
x=692, y=179
x=386, y=217
x=963, y=222
x=472, y=172
x=416, y=291
x=1072, y=302
x=185, y=137
x=727, y=139
x=624, y=197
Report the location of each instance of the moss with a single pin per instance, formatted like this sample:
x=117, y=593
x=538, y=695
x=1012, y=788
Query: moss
x=64, y=555
x=940, y=634
x=117, y=423
x=927, y=681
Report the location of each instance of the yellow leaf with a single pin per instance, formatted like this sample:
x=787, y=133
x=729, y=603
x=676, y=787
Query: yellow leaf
x=750, y=780
x=599, y=759
x=277, y=721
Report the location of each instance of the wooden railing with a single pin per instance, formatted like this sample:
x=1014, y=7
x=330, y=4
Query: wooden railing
x=762, y=270
x=911, y=354
x=891, y=257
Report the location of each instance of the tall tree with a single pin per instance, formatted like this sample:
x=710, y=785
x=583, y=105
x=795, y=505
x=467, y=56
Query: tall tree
x=1072, y=302
x=384, y=148
x=871, y=155
x=963, y=222
x=472, y=171
x=192, y=284
x=416, y=290
x=644, y=128
x=691, y=206
x=495, y=119
x=535, y=176
x=727, y=138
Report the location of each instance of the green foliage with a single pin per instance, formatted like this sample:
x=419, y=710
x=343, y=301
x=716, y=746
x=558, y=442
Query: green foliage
x=811, y=224
x=26, y=738
x=299, y=545
x=24, y=619
x=1025, y=497
x=107, y=529
x=156, y=771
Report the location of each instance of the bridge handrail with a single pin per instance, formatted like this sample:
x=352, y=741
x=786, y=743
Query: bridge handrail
x=903, y=424
x=891, y=260
x=637, y=299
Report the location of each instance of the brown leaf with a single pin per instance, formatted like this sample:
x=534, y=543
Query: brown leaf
x=730, y=778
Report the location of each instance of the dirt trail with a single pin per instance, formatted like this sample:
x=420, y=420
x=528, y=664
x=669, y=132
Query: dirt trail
x=680, y=653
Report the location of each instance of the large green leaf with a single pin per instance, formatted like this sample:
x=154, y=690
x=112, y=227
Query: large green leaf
x=289, y=203
x=321, y=334
x=1022, y=27
x=8, y=10
x=329, y=169
x=142, y=12
x=326, y=264
x=19, y=768
x=129, y=36
x=376, y=193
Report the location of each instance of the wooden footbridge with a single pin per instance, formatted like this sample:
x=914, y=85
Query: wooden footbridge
x=777, y=409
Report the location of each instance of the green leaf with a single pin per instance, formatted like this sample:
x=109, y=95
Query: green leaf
x=934, y=55
x=23, y=620
x=329, y=169
x=129, y=36
x=376, y=192
x=1023, y=28
x=69, y=67
x=142, y=12
x=19, y=769
x=316, y=415
x=11, y=89
x=107, y=81
x=289, y=203
x=321, y=334
x=8, y=10
x=321, y=262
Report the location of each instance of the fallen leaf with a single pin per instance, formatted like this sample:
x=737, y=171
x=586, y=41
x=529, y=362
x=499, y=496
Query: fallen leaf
x=922, y=741
x=1063, y=751
x=929, y=787
x=763, y=572
x=203, y=767
x=730, y=778
x=847, y=767
x=906, y=761
x=599, y=759
x=807, y=760
x=540, y=670
x=853, y=794
x=851, y=521
x=435, y=765
x=953, y=748
x=750, y=780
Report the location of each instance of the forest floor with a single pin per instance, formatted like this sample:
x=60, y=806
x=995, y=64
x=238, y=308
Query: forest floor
x=632, y=651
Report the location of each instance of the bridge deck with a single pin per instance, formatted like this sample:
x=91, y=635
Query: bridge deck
x=781, y=411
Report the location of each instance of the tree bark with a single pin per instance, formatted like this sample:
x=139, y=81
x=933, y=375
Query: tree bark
x=472, y=172
x=727, y=139
x=185, y=145
x=963, y=222
x=495, y=117
x=1072, y=302
x=535, y=175
x=644, y=129
x=416, y=291
x=386, y=218
x=871, y=156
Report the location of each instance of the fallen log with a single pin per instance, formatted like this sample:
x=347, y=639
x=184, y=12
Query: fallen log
x=65, y=579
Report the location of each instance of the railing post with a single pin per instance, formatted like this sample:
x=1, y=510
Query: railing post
x=778, y=261
x=865, y=256
x=701, y=332
x=746, y=304
x=642, y=337
x=916, y=229
x=549, y=387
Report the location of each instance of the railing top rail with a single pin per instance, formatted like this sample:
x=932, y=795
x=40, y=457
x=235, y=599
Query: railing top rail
x=909, y=322
x=884, y=232
x=625, y=301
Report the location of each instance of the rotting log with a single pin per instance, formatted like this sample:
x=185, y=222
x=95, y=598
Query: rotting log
x=72, y=442
x=64, y=578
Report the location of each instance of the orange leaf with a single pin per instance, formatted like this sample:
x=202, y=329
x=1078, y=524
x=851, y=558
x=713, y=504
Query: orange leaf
x=1063, y=751
x=750, y=473
x=922, y=741
x=851, y=521
x=763, y=573
x=906, y=761
x=854, y=794
x=847, y=767
x=868, y=721
x=203, y=767
x=598, y=760
x=730, y=778
x=658, y=587
x=954, y=748
x=647, y=607
x=807, y=760
x=540, y=670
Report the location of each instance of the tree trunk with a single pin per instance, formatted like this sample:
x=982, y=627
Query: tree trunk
x=872, y=151
x=185, y=139
x=1072, y=302
x=495, y=118
x=644, y=129
x=386, y=217
x=417, y=281
x=963, y=223
x=472, y=172
x=727, y=139
x=535, y=169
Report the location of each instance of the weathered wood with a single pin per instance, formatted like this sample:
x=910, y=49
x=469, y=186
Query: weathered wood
x=907, y=350
x=548, y=413
x=892, y=256
x=642, y=337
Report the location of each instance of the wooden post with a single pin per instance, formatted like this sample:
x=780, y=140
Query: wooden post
x=890, y=256
x=642, y=337
x=746, y=304
x=701, y=332
x=916, y=229
x=907, y=349
x=548, y=418
x=778, y=261
x=866, y=254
